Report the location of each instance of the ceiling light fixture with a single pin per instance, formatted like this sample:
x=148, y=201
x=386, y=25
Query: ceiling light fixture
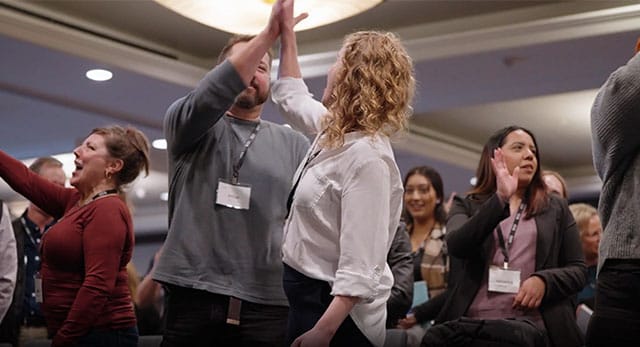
x=159, y=144
x=99, y=75
x=250, y=16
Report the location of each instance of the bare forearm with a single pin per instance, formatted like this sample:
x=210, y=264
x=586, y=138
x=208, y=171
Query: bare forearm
x=336, y=313
x=147, y=292
x=289, y=66
x=246, y=60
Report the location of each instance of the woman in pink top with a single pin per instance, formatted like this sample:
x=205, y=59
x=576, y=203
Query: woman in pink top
x=86, y=300
x=515, y=249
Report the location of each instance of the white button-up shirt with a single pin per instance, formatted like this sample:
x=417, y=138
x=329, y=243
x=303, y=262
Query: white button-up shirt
x=344, y=213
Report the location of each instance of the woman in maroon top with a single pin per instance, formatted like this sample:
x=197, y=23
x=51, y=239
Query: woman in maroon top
x=84, y=255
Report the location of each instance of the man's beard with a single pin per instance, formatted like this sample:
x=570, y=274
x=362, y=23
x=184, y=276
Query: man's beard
x=248, y=100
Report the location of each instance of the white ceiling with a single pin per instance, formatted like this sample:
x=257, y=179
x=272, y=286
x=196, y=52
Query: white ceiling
x=481, y=65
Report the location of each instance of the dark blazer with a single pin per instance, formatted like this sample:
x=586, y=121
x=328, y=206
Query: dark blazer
x=559, y=262
x=401, y=263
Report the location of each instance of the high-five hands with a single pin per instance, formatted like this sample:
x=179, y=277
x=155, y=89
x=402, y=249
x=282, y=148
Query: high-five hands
x=506, y=183
x=282, y=17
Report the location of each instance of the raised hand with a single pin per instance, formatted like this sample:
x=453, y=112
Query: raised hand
x=506, y=183
x=288, y=21
x=273, y=25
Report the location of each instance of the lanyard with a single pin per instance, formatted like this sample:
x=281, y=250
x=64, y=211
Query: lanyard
x=103, y=193
x=33, y=240
x=505, y=248
x=238, y=164
x=312, y=155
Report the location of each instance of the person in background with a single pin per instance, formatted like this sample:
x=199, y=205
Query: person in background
x=425, y=214
x=230, y=174
x=588, y=223
x=86, y=300
x=9, y=260
x=519, y=247
x=149, y=298
x=555, y=183
x=25, y=321
x=346, y=199
x=615, y=118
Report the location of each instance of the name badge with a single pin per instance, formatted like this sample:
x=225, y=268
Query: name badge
x=233, y=195
x=38, y=285
x=503, y=280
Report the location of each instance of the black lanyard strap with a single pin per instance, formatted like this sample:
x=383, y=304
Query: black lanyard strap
x=238, y=164
x=104, y=192
x=312, y=154
x=34, y=240
x=505, y=248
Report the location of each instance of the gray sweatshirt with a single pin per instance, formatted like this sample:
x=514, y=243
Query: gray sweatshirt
x=615, y=126
x=211, y=247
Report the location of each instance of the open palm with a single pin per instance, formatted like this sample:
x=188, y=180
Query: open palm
x=506, y=183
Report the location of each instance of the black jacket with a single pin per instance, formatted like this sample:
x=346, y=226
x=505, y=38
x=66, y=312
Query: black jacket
x=401, y=263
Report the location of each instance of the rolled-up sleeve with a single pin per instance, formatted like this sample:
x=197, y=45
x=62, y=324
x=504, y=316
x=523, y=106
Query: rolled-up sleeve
x=364, y=234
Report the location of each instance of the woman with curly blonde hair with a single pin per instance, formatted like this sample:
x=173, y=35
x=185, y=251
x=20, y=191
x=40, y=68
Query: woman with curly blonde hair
x=346, y=199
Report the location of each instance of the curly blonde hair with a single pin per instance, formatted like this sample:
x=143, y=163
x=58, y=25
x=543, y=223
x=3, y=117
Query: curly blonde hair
x=373, y=88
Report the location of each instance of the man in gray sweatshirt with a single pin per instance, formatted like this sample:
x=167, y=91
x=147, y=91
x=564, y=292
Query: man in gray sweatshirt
x=230, y=175
x=615, y=123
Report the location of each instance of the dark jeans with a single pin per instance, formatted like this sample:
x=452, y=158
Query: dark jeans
x=616, y=317
x=308, y=299
x=199, y=318
x=110, y=338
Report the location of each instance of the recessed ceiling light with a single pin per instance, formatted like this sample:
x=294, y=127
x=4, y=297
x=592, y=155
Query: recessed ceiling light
x=99, y=75
x=159, y=144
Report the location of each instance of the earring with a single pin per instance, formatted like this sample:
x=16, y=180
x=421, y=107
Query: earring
x=438, y=201
x=107, y=174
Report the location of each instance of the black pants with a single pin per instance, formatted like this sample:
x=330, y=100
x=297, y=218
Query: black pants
x=616, y=317
x=197, y=318
x=308, y=299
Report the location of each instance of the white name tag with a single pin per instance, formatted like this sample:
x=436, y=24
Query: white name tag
x=38, y=282
x=503, y=280
x=233, y=195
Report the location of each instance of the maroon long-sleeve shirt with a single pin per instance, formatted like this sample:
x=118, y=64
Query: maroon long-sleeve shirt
x=84, y=256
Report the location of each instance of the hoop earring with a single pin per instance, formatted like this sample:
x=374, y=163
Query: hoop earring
x=107, y=175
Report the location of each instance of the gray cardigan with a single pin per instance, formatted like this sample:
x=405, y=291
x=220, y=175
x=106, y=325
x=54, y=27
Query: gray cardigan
x=615, y=121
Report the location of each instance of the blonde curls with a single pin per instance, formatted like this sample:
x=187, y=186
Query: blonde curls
x=373, y=88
